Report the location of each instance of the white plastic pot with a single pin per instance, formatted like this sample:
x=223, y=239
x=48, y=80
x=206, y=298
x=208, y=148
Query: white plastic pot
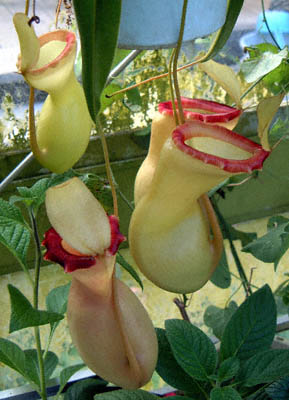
x=154, y=24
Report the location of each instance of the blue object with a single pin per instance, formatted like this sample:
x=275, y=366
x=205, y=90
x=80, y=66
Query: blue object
x=154, y=24
x=278, y=22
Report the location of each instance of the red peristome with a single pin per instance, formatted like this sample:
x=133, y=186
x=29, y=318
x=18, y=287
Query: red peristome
x=56, y=253
x=61, y=35
x=193, y=129
x=218, y=112
x=71, y=262
x=116, y=237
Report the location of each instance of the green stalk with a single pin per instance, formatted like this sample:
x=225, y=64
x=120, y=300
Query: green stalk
x=267, y=25
x=175, y=62
x=172, y=93
x=241, y=271
x=108, y=167
x=38, y=260
x=252, y=87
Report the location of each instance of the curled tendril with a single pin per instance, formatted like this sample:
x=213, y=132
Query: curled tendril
x=35, y=19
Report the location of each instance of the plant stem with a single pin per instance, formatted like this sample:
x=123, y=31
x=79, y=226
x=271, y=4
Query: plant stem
x=182, y=308
x=107, y=167
x=27, y=7
x=57, y=12
x=176, y=116
x=125, y=199
x=175, y=62
x=267, y=25
x=38, y=260
x=241, y=271
x=252, y=87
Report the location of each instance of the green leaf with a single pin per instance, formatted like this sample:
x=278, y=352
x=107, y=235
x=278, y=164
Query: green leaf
x=228, y=369
x=278, y=131
x=271, y=247
x=32, y=367
x=261, y=63
x=217, y=318
x=193, y=350
x=23, y=315
x=244, y=237
x=126, y=395
x=122, y=261
x=277, y=81
x=56, y=300
x=98, y=24
x=107, y=101
x=279, y=390
x=133, y=100
x=252, y=327
x=85, y=389
x=35, y=195
x=14, y=232
x=221, y=276
x=12, y=356
x=169, y=369
x=265, y=367
x=233, y=10
x=224, y=393
x=67, y=373
x=50, y=363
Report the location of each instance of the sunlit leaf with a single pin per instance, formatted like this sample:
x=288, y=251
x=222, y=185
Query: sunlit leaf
x=225, y=77
x=266, y=111
x=261, y=63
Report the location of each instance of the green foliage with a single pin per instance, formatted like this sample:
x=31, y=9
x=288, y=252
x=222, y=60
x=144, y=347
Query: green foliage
x=14, y=231
x=23, y=315
x=265, y=367
x=169, y=369
x=98, y=23
x=271, y=247
x=13, y=130
x=228, y=369
x=12, y=356
x=263, y=59
x=32, y=369
x=67, y=373
x=233, y=10
x=217, y=318
x=278, y=131
x=26, y=362
x=246, y=360
x=122, y=261
x=279, y=390
x=252, y=327
x=193, y=350
x=221, y=276
x=126, y=395
x=85, y=389
x=56, y=303
x=224, y=393
x=35, y=195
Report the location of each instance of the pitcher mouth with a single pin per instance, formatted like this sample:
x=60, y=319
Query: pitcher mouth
x=68, y=38
x=203, y=110
x=197, y=129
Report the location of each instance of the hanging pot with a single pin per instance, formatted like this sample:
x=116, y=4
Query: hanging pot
x=155, y=24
